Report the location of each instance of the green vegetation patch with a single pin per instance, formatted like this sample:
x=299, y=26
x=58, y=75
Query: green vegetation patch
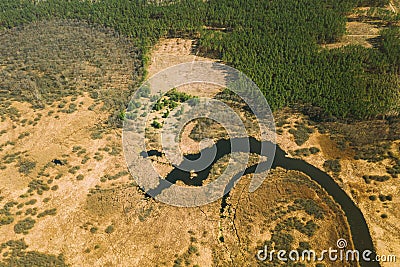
x=26, y=166
x=23, y=226
x=373, y=153
x=47, y=212
x=306, y=151
x=332, y=165
x=394, y=171
x=311, y=207
x=16, y=255
x=377, y=178
x=301, y=133
x=38, y=185
x=109, y=229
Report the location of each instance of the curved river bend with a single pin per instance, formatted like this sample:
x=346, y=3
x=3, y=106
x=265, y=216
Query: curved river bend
x=359, y=229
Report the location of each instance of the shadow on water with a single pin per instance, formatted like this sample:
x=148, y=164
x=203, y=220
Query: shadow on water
x=359, y=230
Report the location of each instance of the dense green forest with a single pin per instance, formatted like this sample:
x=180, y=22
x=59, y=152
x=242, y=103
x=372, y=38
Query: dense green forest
x=276, y=43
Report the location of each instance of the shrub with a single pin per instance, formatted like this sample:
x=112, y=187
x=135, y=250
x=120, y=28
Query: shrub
x=47, y=212
x=85, y=159
x=76, y=149
x=109, y=229
x=304, y=245
x=311, y=207
x=24, y=225
x=156, y=124
x=81, y=152
x=176, y=96
x=144, y=92
x=74, y=169
x=4, y=220
x=38, y=185
x=383, y=198
x=314, y=150
x=54, y=187
x=166, y=114
x=301, y=133
x=374, y=153
x=31, y=202
x=25, y=134
x=332, y=165
x=96, y=135
x=378, y=178
x=98, y=156
x=17, y=256
x=26, y=166
x=192, y=249
x=306, y=151
x=395, y=170
x=310, y=228
x=115, y=151
x=282, y=241
x=302, y=152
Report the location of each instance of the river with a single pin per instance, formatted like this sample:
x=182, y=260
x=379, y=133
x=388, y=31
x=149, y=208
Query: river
x=359, y=229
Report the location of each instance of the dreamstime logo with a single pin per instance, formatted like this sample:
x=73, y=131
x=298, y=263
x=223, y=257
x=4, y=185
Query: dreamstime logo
x=140, y=115
x=341, y=243
x=340, y=253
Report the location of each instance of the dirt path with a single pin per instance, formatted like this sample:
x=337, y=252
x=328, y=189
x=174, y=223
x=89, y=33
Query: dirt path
x=363, y=35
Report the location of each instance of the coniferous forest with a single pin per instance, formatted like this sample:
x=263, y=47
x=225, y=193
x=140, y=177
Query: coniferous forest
x=276, y=43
